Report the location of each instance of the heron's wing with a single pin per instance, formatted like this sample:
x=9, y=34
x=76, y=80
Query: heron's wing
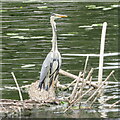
x=45, y=67
x=55, y=64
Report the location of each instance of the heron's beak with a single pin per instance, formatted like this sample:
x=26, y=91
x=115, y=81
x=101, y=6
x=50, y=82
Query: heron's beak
x=61, y=16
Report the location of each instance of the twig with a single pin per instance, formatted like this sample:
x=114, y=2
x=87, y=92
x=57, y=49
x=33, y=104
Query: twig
x=20, y=94
x=95, y=99
x=86, y=62
x=100, y=86
x=25, y=86
x=81, y=89
x=100, y=72
x=71, y=83
x=114, y=77
x=109, y=98
x=67, y=74
x=86, y=92
x=75, y=77
x=60, y=85
x=75, y=88
x=114, y=104
x=90, y=80
x=89, y=74
x=84, y=83
x=76, y=100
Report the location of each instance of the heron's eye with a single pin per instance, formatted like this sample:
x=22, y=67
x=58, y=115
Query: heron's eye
x=53, y=14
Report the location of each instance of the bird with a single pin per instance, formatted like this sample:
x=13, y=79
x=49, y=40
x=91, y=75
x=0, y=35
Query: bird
x=52, y=63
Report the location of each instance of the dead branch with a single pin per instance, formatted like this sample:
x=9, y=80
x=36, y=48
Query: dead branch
x=100, y=86
x=86, y=62
x=76, y=100
x=114, y=104
x=20, y=94
x=75, y=77
x=75, y=88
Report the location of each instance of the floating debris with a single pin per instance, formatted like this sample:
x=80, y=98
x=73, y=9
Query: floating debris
x=109, y=8
x=37, y=37
x=96, y=55
x=95, y=25
x=117, y=63
x=12, y=88
x=20, y=37
x=91, y=26
x=115, y=6
x=85, y=26
x=3, y=10
x=94, y=7
x=42, y=7
x=24, y=29
x=12, y=33
x=69, y=34
x=109, y=67
x=29, y=65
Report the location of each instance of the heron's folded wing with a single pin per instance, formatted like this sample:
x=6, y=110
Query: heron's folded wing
x=54, y=66
x=45, y=67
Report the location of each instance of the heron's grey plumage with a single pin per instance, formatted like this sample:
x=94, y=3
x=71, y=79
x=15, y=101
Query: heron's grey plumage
x=51, y=65
x=50, y=69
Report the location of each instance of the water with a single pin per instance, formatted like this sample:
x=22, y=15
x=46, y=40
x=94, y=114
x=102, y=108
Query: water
x=26, y=40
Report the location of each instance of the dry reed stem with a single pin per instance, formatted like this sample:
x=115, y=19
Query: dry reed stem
x=84, y=83
x=75, y=88
x=81, y=89
x=79, y=93
x=109, y=98
x=76, y=100
x=114, y=77
x=86, y=62
x=114, y=104
x=89, y=74
x=101, y=58
x=99, y=87
x=95, y=99
x=90, y=80
x=75, y=77
x=20, y=94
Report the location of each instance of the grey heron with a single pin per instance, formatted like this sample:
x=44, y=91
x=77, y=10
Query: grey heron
x=51, y=65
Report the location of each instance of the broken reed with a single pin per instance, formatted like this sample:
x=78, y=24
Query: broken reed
x=78, y=91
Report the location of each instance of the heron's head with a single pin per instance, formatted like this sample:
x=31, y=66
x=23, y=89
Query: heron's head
x=55, y=16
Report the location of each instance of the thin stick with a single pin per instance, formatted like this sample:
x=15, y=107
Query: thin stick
x=75, y=77
x=86, y=62
x=95, y=99
x=20, y=94
x=75, y=88
x=84, y=83
x=114, y=77
x=100, y=86
x=81, y=88
x=100, y=72
x=76, y=100
x=89, y=74
x=90, y=80
x=109, y=98
x=67, y=74
x=85, y=93
x=114, y=104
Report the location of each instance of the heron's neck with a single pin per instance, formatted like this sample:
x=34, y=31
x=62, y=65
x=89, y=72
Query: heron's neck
x=54, y=37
